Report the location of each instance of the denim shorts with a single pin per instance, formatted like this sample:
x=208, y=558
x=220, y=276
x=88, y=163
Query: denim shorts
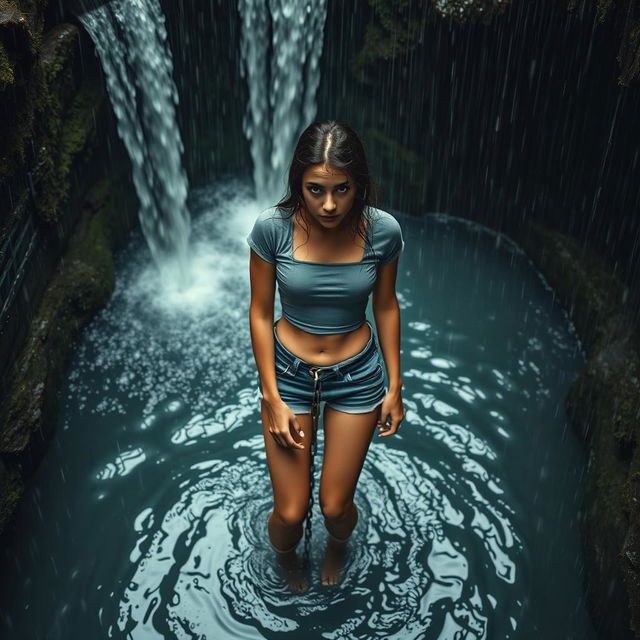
x=353, y=385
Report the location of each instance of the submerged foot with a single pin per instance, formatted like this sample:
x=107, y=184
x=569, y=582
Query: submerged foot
x=292, y=573
x=333, y=562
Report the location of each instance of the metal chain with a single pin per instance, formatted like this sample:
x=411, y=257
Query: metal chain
x=315, y=410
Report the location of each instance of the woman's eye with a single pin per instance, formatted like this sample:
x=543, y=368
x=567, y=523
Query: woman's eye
x=317, y=190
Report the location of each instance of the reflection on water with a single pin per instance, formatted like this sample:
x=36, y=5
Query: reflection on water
x=147, y=518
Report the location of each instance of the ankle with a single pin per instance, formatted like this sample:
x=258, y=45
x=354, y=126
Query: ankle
x=284, y=551
x=337, y=541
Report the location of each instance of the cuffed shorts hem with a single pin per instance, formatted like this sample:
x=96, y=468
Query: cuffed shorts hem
x=299, y=410
x=303, y=410
x=354, y=410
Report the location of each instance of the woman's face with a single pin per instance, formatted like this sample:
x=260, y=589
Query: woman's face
x=328, y=194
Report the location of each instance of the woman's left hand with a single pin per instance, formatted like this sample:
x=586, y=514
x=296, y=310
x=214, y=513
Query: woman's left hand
x=391, y=411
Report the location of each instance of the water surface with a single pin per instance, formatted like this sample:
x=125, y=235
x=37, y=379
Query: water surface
x=147, y=517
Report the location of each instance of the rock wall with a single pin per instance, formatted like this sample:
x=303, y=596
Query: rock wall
x=603, y=405
x=73, y=207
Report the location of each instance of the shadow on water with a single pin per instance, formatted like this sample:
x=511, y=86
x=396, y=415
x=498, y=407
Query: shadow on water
x=147, y=516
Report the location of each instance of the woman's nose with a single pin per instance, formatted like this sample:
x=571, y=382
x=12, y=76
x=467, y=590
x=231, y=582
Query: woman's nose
x=329, y=204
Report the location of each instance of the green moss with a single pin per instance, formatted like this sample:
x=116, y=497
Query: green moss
x=12, y=490
x=81, y=286
x=602, y=8
x=625, y=415
x=96, y=250
x=398, y=25
x=53, y=175
x=57, y=50
x=396, y=30
x=7, y=75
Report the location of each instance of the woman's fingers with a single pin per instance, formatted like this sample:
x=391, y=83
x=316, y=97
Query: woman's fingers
x=388, y=432
x=284, y=438
x=292, y=443
x=281, y=414
x=296, y=426
x=390, y=427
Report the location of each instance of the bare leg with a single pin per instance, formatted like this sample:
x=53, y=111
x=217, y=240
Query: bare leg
x=289, y=473
x=346, y=441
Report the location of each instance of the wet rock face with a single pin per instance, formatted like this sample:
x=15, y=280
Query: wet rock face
x=21, y=77
x=625, y=14
x=14, y=60
x=603, y=405
x=51, y=108
x=37, y=132
x=80, y=287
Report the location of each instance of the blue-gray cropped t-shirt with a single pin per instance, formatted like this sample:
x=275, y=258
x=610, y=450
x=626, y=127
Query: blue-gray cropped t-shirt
x=324, y=297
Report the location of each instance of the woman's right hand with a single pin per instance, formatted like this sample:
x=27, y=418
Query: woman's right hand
x=281, y=418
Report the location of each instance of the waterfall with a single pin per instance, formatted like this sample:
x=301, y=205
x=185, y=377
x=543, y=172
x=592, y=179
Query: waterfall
x=131, y=42
x=281, y=44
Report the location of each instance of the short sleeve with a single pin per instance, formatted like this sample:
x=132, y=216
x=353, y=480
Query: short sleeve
x=394, y=242
x=262, y=238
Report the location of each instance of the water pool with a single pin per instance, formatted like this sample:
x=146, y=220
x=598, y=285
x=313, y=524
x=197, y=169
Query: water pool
x=146, y=518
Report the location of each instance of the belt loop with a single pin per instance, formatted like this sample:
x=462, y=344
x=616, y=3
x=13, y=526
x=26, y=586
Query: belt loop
x=294, y=365
x=340, y=374
x=336, y=369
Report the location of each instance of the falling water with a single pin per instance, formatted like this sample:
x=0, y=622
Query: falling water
x=281, y=45
x=131, y=41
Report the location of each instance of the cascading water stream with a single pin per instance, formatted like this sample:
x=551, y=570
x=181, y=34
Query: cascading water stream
x=281, y=44
x=131, y=41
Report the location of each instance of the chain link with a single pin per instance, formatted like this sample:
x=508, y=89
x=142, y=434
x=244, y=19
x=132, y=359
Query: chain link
x=315, y=410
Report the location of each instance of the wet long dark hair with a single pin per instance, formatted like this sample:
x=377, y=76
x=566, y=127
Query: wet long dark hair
x=336, y=144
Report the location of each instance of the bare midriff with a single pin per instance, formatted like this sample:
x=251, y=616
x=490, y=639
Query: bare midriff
x=325, y=349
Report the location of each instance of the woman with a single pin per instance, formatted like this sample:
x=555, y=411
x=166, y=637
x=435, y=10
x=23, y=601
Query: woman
x=328, y=248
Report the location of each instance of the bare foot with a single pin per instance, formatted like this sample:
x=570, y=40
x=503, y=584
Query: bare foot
x=333, y=561
x=292, y=573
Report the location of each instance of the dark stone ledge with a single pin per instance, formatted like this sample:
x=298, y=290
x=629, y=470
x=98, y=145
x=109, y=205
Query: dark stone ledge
x=603, y=405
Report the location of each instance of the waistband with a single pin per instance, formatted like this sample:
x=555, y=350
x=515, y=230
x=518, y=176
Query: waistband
x=342, y=369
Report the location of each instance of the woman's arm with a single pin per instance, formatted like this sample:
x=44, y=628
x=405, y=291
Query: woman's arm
x=263, y=285
x=386, y=312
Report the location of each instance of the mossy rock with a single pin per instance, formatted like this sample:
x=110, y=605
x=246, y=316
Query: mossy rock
x=80, y=287
x=597, y=405
x=13, y=486
x=52, y=176
x=603, y=405
x=21, y=79
x=7, y=66
x=588, y=291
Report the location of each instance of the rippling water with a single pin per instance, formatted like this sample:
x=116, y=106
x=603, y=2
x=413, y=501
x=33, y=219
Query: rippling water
x=147, y=517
